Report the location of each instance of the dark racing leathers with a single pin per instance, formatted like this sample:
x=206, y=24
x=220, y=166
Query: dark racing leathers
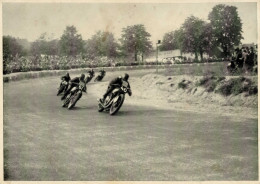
x=117, y=82
x=102, y=72
x=74, y=82
x=90, y=76
x=66, y=78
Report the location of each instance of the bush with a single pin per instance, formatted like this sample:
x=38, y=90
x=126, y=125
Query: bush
x=236, y=86
x=183, y=84
x=210, y=82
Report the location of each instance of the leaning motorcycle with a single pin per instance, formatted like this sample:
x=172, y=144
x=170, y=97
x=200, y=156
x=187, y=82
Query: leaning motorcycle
x=115, y=99
x=74, y=95
x=100, y=77
x=63, y=87
x=89, y=77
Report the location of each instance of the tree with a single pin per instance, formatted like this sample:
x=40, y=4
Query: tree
x=11, y=47
x=102, y=44
x=136, y=40
x=169, y=41
x=226, y=27
x=207, y=44
x=71, y=43
x=45, y=45
x=193, y=36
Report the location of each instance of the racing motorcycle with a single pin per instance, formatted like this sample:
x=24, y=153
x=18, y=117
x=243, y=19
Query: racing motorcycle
x=100, y=76
x=74, y=95
x=115, y=99
x=63, y=87
x=89, y=77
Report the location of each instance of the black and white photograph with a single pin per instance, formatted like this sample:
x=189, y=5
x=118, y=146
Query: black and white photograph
x=130, y=91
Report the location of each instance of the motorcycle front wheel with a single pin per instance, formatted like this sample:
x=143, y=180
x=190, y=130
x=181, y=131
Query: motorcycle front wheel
x=117, y=104
x=61, y=90
x=100, y=108
x=96, y=79
x=66, y=101
x=74, y=100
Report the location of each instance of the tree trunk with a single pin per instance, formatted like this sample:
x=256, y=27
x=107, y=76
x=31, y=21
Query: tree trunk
x=225, y=51
x=196, y=56
x=201, y=55
x=135, y=55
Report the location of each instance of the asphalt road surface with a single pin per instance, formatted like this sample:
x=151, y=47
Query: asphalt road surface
x=45, y=142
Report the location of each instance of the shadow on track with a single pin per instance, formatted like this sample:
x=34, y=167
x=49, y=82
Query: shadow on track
x=146, y=112
x=79, y=108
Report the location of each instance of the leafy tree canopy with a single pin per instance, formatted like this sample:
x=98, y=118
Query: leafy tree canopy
x=71, y=43
x=193, y=35
x=226, y=27
x=102, y=44
x=11, y=47
x=135, y=39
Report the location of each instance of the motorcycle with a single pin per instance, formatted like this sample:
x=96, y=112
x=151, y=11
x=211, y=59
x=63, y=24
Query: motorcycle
x=100, y=76
x=89, y=77
x=63, y=87
x=74, y=95
x=115, y=99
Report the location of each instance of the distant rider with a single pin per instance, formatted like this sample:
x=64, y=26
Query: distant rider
x=66, y=78
x=91, y=72
x=102, y=72
x=90, y=75
x=74, y=82
x=116, y=82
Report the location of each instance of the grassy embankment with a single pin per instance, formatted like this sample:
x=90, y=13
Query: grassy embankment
x=203, y=83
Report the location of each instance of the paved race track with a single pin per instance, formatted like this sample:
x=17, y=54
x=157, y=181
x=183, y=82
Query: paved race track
x=43, y=141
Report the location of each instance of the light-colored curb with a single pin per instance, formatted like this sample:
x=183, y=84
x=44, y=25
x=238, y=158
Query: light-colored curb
x=38, y=74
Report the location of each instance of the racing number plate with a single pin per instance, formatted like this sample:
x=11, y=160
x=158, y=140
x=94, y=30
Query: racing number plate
x=125, y=84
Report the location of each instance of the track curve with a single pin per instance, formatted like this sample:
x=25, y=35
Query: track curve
x=43, y=141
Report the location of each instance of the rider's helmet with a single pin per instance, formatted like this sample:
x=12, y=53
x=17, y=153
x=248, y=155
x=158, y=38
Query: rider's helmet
x=126, y=76
x=67, y=74
x=82, y=77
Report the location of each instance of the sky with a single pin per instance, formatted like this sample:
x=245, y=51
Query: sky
x=30, y=20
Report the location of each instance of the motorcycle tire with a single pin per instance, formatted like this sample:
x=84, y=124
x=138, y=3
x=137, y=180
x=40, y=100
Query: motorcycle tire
x=61, y=89
x=74, y=100
x=66, y=101
x=100, y=108
x=117, y=105
x=96, y=79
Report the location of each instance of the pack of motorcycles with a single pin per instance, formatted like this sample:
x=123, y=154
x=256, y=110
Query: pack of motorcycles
x=111, y=104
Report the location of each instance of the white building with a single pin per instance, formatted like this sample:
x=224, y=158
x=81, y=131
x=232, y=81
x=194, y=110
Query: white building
x=170, y=55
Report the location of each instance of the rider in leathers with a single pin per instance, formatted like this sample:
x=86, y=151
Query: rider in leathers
x=116, y=82
x=66, y=78
x=74, y=82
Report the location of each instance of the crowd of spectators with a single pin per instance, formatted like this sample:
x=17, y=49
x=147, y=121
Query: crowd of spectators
x=46, y=62
x=245, y=59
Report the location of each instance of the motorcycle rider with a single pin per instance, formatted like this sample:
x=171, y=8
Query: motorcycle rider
x=116, y=82
x=66, y=78
x=102, y=72
x=74, y=82
x=91, y=72
x=90, y=75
